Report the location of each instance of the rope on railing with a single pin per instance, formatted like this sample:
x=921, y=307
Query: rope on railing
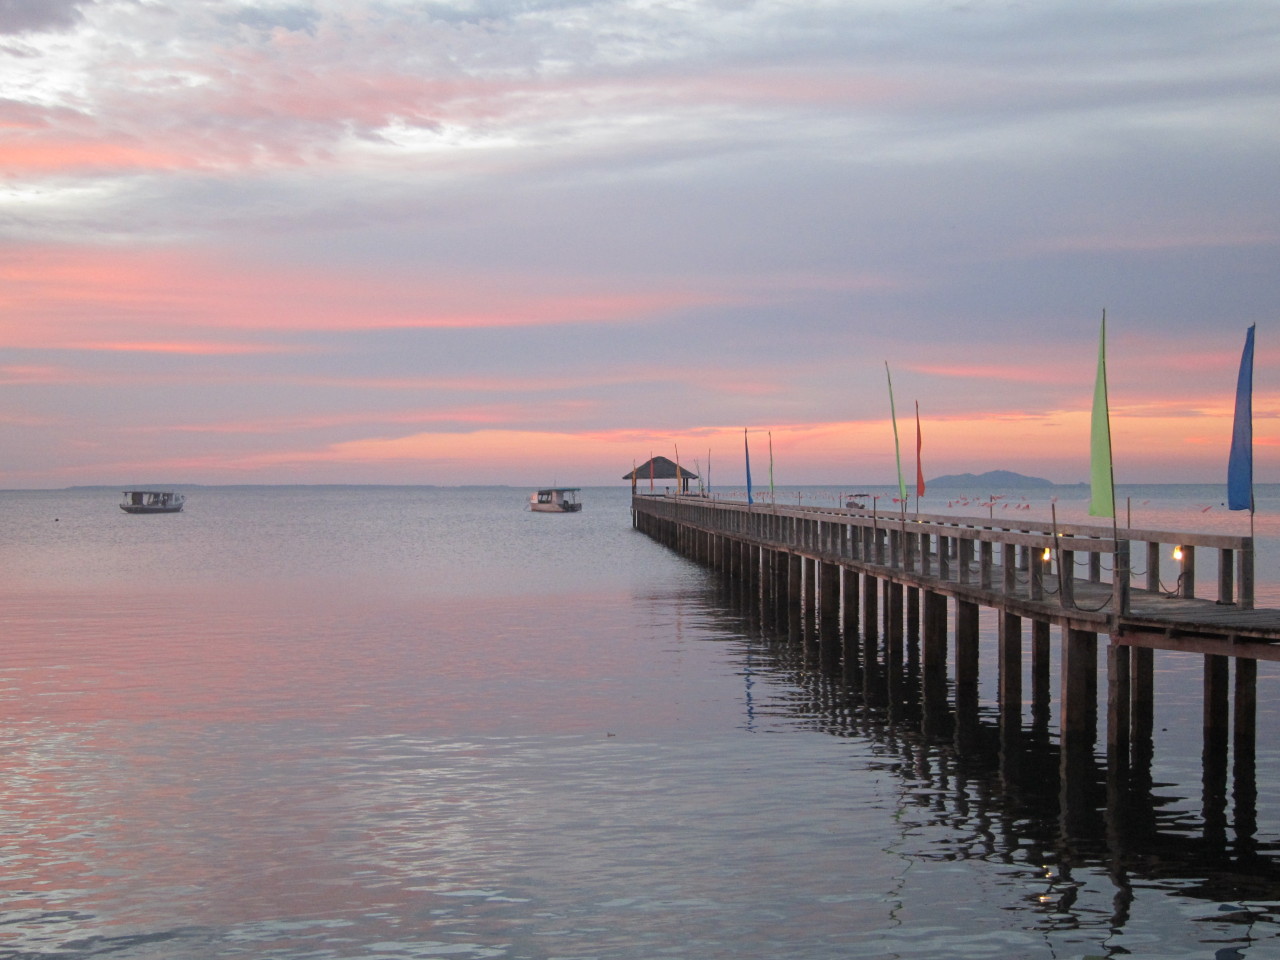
x=1098, y=609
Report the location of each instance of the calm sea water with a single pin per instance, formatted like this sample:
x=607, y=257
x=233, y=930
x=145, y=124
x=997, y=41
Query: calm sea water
x=412, y=722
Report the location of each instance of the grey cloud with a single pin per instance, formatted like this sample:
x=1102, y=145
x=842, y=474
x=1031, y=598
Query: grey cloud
x=296, y=18
x=35, y=16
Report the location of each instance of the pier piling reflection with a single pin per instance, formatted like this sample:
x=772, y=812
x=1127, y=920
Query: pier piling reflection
x=898, y=659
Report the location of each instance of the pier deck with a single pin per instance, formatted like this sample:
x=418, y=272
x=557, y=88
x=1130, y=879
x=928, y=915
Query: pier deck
x=1004, y=566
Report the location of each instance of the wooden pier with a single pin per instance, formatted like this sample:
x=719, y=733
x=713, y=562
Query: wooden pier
x=863, y=581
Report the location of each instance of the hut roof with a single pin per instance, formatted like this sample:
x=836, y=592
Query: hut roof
x=663, y=469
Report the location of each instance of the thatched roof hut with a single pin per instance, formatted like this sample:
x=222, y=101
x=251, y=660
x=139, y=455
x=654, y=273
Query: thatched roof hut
x=662, y=469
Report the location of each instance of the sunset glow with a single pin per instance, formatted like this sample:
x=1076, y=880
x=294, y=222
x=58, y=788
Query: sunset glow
x=372, y=243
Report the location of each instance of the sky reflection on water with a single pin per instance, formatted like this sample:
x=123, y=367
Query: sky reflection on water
x=334, y=753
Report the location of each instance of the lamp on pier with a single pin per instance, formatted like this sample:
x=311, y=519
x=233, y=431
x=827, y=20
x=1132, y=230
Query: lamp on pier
x=1181, y=589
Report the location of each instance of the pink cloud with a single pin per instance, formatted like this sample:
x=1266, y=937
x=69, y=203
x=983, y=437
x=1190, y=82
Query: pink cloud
x=1012, y=373
x=30, y=374
x=59, y=297
x=44, y=154
x=472, y=415
x=177, y=347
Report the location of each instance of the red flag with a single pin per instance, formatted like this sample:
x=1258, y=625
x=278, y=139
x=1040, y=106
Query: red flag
x=919, y=468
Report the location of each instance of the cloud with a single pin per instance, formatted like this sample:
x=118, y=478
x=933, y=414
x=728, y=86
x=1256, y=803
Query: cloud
x=334, y=227
x=31, y=16
x=188, y=347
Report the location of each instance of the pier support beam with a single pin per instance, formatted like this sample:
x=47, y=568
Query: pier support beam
x=966, y=667
x=1079, y=687
x=781, y=598
x=934, y=663
x=849, y=593
x=809, y=606
x=1078, y=729
x=1040, y=672
x=870, y=606
x=1142, y=715
x=893, y=629
x=1244, y=776
x=829, y=597
x=1217, y=677
x=795, y=581
x=1010, y=692
x=1119, y=707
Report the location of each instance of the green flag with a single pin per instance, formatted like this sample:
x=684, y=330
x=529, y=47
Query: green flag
x=897, y=450
x=1101, y=484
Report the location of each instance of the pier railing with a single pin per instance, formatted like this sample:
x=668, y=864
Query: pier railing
x=1029, y=559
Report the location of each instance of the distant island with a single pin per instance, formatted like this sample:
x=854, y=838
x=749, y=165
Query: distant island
x=992, y=479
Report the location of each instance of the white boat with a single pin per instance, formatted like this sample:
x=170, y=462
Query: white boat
x=555, y=500
x=152, y=501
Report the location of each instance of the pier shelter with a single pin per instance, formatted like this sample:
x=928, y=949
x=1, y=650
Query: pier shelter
x=659, y=468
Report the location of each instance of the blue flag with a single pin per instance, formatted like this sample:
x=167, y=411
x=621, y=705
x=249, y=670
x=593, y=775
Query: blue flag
x=1240, y=465
x=747, y=450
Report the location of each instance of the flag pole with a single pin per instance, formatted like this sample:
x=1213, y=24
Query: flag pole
x=897, y=448
x=770, y=465
x=919, y=467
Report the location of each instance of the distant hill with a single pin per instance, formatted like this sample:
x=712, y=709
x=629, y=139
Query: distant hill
x=992, y=479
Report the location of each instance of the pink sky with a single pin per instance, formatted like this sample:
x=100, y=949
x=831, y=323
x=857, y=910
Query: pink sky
x=404, y=243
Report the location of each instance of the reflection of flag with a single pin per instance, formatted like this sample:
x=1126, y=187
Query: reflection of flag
x=919, y=468
x=746, y=449
x=1103, y=500
x=1240, y=464
x=897, y=450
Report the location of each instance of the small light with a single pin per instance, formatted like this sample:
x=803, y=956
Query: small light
x=1048, y=555
x=1177, y=553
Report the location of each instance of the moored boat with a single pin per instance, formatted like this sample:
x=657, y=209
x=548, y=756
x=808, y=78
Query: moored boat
x=152, y=501
x=555, y=500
